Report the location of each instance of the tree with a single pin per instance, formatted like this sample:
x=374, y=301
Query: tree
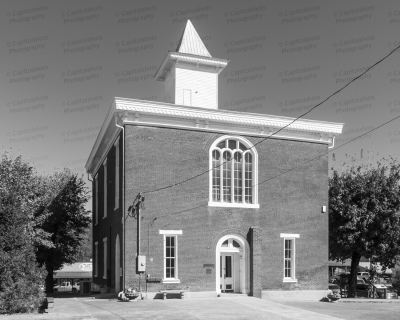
x=21, y=196
x=66, y=221
x=84, y=252
x=364, y=217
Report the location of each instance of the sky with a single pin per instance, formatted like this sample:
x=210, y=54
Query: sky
x=63, y=62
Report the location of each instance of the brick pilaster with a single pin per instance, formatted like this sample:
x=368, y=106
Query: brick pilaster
x=254, y=237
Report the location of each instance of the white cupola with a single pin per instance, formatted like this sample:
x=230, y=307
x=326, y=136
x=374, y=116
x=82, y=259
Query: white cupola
x=190, y=74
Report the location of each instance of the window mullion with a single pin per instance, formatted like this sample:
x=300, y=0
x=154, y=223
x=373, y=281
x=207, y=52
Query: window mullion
x=221, y=177
x=232, y=178
x=243, y=178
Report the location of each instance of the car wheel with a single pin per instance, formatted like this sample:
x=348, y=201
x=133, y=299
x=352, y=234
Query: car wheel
x=55, y=290
x=74, y=290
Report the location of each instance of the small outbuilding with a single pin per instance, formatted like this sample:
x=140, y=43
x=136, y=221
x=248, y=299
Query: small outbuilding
x=76, y=272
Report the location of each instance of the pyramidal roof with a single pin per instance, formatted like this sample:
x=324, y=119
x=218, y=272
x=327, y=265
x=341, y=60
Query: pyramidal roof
x=191, y=43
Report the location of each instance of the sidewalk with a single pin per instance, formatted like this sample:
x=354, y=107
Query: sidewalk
x=107, y=307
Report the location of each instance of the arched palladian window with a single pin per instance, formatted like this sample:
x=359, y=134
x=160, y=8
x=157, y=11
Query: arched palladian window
x=233, y=173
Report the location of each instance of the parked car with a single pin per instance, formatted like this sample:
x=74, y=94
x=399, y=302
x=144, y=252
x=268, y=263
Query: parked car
x=363, y=275
x=66, y=287
x=361, y=284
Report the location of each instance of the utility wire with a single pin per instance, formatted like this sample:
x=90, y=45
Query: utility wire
x=325, y=153
x=317, y=105
x=278, y=175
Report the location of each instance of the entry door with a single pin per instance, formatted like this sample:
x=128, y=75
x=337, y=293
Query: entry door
x=226, y=273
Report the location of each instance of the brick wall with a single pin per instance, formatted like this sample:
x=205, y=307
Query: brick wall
x=291, y=203
x=111, y=225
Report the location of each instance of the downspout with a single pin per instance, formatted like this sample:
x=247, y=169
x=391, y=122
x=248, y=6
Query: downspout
x=123, y=206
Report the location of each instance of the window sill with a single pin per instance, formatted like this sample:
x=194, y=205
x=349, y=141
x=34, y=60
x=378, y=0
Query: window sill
x=233, y=205
x=171, y=281
x=290, y=280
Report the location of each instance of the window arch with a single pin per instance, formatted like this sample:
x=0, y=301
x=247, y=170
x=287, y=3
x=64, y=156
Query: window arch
x=233, y=173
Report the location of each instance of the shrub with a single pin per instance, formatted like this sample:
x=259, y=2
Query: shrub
x=20, y=280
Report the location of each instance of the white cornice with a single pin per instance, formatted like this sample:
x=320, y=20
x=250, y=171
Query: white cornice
x=161, y=114
x=172, y=57
x=162, y=108
x=210, y=60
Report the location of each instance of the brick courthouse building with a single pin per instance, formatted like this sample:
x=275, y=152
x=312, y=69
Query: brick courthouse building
x=228, y=230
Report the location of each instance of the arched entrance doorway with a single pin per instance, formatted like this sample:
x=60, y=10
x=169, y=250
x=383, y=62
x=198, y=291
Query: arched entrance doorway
x=232, y=264
x=117, y=265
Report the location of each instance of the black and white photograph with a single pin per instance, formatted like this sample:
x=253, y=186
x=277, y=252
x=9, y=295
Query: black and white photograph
x=185, y=159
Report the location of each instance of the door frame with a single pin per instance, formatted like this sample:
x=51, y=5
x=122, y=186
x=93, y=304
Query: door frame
x=117, y=264
x=244, y=262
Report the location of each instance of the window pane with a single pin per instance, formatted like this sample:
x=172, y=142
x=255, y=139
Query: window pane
x=228, y=266
x=226, y=171
x=237, y=182
x=172, y=241
x=168, y=263
x=168, y=273
x=172, y=263
x=242, y=147
x=167, y=239
x=248, y=189
x=225, y=243
x=172, y=273
x=232, y=144
x=221, y=145
x=172, y=252
x=216, y=174
x=235, y=244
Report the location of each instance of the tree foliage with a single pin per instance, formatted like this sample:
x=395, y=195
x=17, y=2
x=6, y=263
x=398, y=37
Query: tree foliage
x=67, y=221
x=21, y=196
x=84, y=251
x=43, y=225
x=364, y=215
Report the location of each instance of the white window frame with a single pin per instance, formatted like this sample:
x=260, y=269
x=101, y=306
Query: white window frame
x=96, y=204
x=116, y=202
x=105, y=189
x=254, y=154
x=105, y=258
x=96, y=258
x=171, y=233
x=292, y=237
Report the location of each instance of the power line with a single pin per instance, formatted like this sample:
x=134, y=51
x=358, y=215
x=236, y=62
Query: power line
x=325, y=153
x=317, y=105
x=278, y=175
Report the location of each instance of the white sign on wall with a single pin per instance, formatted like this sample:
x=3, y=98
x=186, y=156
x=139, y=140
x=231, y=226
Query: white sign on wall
x=85, y=266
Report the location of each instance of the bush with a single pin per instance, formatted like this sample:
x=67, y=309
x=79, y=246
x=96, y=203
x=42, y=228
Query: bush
x=20, y=280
